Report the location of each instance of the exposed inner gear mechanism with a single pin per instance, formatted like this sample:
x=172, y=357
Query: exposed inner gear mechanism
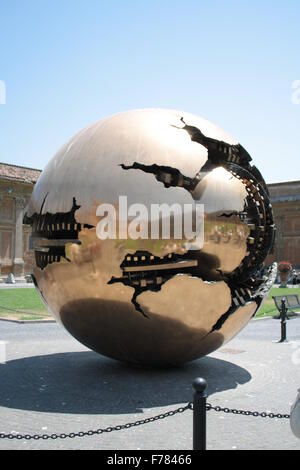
x=51, y=233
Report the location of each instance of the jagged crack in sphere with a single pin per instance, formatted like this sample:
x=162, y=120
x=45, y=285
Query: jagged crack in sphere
x=154, y=301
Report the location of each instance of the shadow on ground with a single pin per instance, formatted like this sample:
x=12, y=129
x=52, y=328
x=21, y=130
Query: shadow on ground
x=86, y=383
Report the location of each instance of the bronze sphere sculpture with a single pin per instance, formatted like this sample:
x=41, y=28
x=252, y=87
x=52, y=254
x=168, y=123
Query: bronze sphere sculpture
x=161, y=300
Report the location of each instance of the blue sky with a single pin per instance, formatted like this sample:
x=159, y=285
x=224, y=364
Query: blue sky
x=67, y=63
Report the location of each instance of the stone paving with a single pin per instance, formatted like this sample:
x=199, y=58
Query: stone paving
x=51, y=383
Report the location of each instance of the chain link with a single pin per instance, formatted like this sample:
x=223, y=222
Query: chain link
x=36, y=437
x=168, y=414
x=255, y=414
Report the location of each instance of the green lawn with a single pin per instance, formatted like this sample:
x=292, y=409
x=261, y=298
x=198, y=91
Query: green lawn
x=24, y=299
x=269, y=309
x=21, y=304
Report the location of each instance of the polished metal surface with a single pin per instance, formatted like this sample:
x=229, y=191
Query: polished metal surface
x=152, y=301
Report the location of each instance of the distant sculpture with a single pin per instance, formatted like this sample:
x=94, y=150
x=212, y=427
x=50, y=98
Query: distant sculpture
x=10, y=279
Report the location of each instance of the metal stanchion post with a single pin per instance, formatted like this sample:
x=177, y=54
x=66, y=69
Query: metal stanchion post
x=283, y=316
x=199, y=415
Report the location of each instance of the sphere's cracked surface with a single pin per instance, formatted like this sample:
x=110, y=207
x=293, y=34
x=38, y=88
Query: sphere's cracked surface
x=149, y=301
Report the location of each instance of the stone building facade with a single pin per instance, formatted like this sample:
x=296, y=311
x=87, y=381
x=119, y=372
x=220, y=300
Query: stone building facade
x=16, y=185
x=286, y=204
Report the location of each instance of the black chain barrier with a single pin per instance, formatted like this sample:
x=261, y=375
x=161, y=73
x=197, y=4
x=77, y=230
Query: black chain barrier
x=255, y=414
x=36, y=437
x=189, y=406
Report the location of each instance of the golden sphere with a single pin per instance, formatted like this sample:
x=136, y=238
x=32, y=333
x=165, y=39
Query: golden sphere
x=154, y=300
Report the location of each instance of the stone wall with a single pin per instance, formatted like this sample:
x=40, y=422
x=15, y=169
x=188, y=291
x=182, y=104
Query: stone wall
x=15, y=256
x=286, y=204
